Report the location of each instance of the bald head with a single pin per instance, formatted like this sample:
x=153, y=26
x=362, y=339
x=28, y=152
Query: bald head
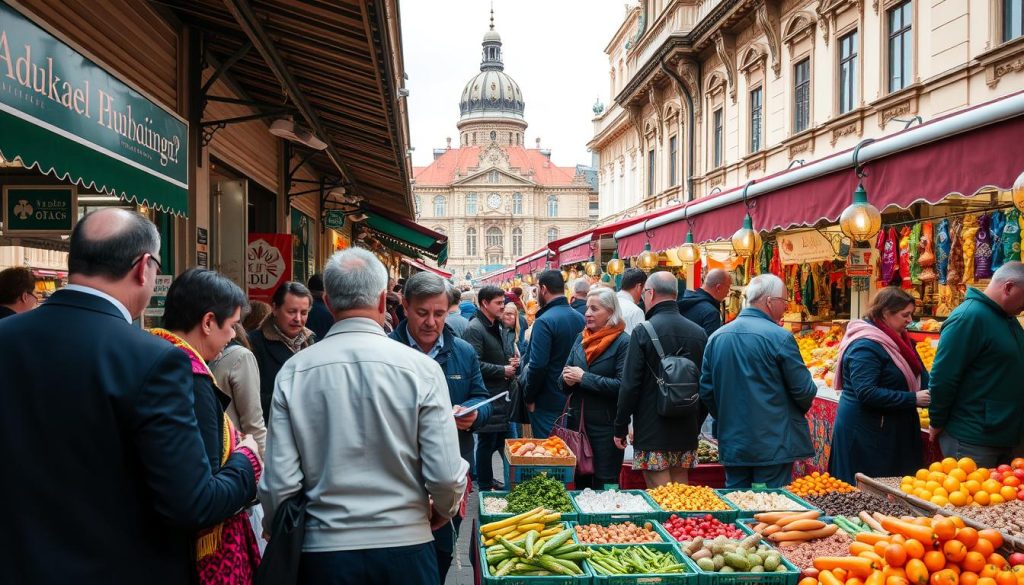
x=664, y=286
x=717, y=284
x=108, y=243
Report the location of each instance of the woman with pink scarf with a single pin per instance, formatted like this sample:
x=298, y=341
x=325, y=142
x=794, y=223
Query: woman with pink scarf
x=881, y=381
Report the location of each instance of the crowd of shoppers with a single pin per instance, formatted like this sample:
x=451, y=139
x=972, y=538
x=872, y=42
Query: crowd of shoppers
x=281, y=335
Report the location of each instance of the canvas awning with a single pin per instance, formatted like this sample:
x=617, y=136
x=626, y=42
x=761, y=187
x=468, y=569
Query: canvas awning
x=411, y=239
x=424, y=268
x=582, y=247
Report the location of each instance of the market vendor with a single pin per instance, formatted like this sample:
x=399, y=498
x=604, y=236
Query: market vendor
x=977, y=407
x=882, y=381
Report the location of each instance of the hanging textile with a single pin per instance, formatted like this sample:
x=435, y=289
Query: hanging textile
x=793, y=282
x=942, y=250
x=967, y=236
x=927, y=257
x=915, y=253
x=1011, y=236
x=995, y=227
x=983, y=249
x=904, y=257
x=955, y=272
x=776, y=264
x=889, y=256
x=808, y=289
x=764, y=257
x=698, y=279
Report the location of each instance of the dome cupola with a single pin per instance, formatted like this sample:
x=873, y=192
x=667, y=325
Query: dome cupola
x=491, y=95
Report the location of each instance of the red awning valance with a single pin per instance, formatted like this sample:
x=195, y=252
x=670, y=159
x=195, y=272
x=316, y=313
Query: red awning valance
x=423, y=267
x=536, y=261
x=582, y=247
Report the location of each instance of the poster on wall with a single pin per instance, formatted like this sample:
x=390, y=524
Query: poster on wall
x=806, y=246
x=269, y=261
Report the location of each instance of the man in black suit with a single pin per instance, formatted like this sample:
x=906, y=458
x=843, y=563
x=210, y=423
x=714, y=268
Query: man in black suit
x=107, y=477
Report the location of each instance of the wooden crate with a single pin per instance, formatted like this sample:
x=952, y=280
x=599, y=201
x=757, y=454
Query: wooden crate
x=538, y=461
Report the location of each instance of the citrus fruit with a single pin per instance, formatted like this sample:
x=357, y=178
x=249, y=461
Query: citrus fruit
x=991, y=486
x=948, y=464
x=996, y=499
x=951, y=484
x=1008, y=492
x=972, y=486
x=973, y=561
x=954, y=551
x=969, y=537
x=933, y=560
x=967, y=464
x=981, y=497
x=957, y=498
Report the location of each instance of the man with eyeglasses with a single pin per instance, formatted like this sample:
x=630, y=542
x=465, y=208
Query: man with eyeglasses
x=17, y=291
x=97, y=406
x=756, y=385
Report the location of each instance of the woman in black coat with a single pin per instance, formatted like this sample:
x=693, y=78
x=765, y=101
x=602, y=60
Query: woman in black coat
x=882, y=381
x=591, y=377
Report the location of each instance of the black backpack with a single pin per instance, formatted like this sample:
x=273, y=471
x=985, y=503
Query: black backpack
x=678, y=381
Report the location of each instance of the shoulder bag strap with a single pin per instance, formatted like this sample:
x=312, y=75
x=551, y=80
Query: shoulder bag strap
x=654, y=339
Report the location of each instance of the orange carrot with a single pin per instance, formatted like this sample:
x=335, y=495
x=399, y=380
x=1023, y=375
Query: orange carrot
x=870, y=537
x=858, y=566
x=827, y=578
x=918, y=532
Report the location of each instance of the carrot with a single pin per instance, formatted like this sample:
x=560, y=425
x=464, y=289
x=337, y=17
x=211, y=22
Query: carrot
x=809, y=515
x=772, y=517
x=858, y=566
x=804, y=534
x=827, y=578
x=923, y=534
x=876, y=578
x=805, y=525
x=759, y=528
x=870, y=538
x=858, y=547
x=771, y=529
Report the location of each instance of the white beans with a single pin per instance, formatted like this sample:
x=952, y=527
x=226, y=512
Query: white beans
x=611, y=501
x=768, y=501
x=494, y=505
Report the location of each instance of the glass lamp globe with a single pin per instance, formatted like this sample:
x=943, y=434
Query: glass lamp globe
x=592, y=268
x=1018, y=193
x=861, y=220
x=745, y=242
x=565, y=276
x=648, y=259
x=616, y=266
x=688, y=252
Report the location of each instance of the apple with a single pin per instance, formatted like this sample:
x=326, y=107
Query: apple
x=1016, y=559
x=1019, y=472
x=996, y=476
x=1004, y=468
x=1020, y=495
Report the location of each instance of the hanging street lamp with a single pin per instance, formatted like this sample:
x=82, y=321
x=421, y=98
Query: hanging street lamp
x=688, y=253
x=861, y=221
x=648, y=260
x=746, y=242
x=1018, y=193
x=616, y=266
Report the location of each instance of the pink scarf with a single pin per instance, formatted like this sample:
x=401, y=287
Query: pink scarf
x=861, y=329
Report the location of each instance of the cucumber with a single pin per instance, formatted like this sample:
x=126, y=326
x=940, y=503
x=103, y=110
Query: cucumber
x=737, y=562
x=706, y=564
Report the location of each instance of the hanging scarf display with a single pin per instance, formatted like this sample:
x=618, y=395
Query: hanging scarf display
x=1011, y=237
x=764, y=256
x=807, y=293
x=995, y=226
x=889, y=256
x=942, y=250
x=983, y=250
x=927, y=258
x=967, y=236
x=776, y=264
x=955, y=272
x=904, y=257
x=915, y=253
x=793, y=282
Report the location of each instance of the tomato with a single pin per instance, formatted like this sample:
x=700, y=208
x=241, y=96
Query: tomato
x=1004, y=468
x=1016, y=559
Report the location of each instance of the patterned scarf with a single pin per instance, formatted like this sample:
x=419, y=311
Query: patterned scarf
x=226, y=554
x=293, y=343
x=594, y=344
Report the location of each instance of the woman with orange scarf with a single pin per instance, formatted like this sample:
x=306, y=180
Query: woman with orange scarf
x=200, y=313
x=592, y=377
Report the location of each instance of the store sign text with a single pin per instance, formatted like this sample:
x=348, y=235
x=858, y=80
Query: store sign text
x=39, y=210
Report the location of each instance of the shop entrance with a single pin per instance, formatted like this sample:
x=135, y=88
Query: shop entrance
x=238, y=207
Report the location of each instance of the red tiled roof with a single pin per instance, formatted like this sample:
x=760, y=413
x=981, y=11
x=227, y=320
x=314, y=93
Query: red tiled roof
x=530, y=163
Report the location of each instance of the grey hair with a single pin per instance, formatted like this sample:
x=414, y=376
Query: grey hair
x=716, y=277
x=354, y=279
x=1010, y=272
x=423, y=285
x=580, y=286
x=663, y=284
x=607, y=298
x=764, y=286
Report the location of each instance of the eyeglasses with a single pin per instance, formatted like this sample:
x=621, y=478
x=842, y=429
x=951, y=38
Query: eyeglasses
x=147, y=256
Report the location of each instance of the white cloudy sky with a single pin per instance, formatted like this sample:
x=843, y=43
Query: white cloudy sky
x=554, y=49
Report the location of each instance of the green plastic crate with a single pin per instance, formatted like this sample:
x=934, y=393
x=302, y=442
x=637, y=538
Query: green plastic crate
x=564, y=525
x=488, y=518
x=803, y=504
x=588, y=517
x=790, y=577
x=728, y=516
x=666, y=538
x=688, y=578
x=487, y=578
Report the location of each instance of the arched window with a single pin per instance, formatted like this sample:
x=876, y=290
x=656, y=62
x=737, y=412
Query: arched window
x=517, y=242
x=552, y=234
x=416, y=203
x=552, y=206
x=471, y=242
x=517, y=204
x=440, y=206
x=471, y=204
x=494, y=237
x=441, y=230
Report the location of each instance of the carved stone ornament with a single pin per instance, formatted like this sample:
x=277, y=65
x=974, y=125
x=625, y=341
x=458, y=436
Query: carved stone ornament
x=801, y=146
x=800, y=27
x=494, y=156
x=754, y=58
x=769, y=20
x=716, y=84
x=725, y=45
x=688, y=72
x=852, y=127
x=997, y=71
x=828, y=10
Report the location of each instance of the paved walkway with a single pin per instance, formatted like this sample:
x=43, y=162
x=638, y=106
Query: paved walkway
x=461, y=572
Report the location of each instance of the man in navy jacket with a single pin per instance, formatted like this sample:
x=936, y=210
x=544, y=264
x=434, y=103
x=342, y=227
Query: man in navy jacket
x=108, y=477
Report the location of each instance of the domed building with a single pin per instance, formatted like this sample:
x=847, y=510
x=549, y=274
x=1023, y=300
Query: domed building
x=496, y=199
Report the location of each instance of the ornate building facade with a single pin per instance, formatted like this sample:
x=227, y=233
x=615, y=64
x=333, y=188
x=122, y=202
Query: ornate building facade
x=496, y=199
x=711, y=94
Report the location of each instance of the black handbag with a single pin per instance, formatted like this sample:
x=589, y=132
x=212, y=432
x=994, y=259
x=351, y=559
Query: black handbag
x=280, y=564
x=678, y=381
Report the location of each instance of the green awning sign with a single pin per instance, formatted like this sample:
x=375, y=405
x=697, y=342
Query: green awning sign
x=39, y=210
x=66, y=116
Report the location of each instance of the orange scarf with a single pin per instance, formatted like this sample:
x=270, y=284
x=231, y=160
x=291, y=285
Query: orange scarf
x=594, y=344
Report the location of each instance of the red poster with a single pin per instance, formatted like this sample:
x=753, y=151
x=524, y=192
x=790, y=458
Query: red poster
x=268, y=260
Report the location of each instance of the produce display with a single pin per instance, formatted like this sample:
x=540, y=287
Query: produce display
x=791, y=528
x=678, y=497
x=723, y=555
x=539, y=491
x=772, y=501
x=550, y=447
x=818, y=484
x=1008, y=518
x=707, y=526
x=929, y=325
x=926, y=350
x=922, y=413
x=819, y=350
x=853, y=503
x=634, y=560
x=495, y=505
x=617, y=533
x=537, y=555
x=962, y=483
x=802, y=554
x=707, y=452
x=516, y=528
x=610, y=501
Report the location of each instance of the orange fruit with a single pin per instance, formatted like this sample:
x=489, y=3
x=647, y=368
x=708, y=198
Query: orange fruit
x=993, y=536
x=1011, y=480
x=854, y=581
x=945, y=577
x=1009, y=492
x=989, y=571
x=973, y=561
x=954, y=551
x=944, y=529
x=991, y=486
x=915, y=549
x=958, y=521
x=986, y=581
x=968, y=536
x=982, y=498
x=896, y=555
x=973, y=486
x=998, y=560
x=921, y=474
x=1006, y=578
x=968, y=578
x=917, y=571
x=977, y=476
x=1017, y=463
x=984, y=547
x=897, y=580
x=948, y=464
x=958, y=498
x=959, y=474
x=840, y=574
x=951, y=484
x=881, y=546
x=937, y=466
x=939, y=500
x=967, y=464
x=934, y=561
x=996, y=498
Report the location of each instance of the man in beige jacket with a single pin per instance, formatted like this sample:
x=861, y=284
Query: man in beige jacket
x=362, y=425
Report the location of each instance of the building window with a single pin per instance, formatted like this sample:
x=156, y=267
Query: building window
x=471, y=204
x=440, y=206
x=492, y=177
x=552, y=206
x=517, y=242
x=416, y=204
x=494, y=237
x=471, y=242
x=847, y=72
x=552, y=234
x=594, y=211
x=650, y=173
x=1013, y=19
x=756, y=109
x=716, y=140
x=517, y=204
x=802, y=96
x=901, y=48
x=673, y=153
x=494, y=135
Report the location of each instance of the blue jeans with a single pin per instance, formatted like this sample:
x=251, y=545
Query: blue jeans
x=487, y=444
x=401, y=565
x=541, y=422
x=773, y=476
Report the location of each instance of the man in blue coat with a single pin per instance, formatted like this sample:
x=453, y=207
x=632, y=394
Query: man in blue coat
x=426, y=299
x=704, y=305
x=757, y=386
x=554, y=331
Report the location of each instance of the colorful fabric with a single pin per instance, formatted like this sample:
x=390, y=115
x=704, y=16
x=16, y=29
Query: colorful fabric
x=662, y=460
x=955, y=269
x=898, y=347
x=942, y=250
x=915, y=254
x=594, y=344
x=905, y=257
x=995, y=226
x=983, y=249
x=927, y=258
x=1011, y=236
x=968, y=236
x=889, y=254
x=776, y=264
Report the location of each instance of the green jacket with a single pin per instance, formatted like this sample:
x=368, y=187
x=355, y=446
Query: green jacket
x=977, y=373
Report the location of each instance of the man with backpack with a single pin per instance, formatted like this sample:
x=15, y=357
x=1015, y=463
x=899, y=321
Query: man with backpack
x=660, y=384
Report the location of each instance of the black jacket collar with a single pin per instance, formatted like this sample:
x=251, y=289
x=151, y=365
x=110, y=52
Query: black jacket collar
x=663, y=307
x=557, y=302
x=81, y=300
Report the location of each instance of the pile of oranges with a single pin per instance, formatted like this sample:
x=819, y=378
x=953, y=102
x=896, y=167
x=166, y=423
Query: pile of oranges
x=819, y=484
x=963, y=483
x=921, y=551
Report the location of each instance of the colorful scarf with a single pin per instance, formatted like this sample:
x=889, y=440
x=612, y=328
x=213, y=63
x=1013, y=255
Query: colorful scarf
x=955, y=269
x=1011, y=236
x=970, y=244
x=226, y=554
x=904, y=253
x=983, y=249
x=995, y=226
x=300, y=341
x=942, y=244
x=899, y=349
x=594, y=344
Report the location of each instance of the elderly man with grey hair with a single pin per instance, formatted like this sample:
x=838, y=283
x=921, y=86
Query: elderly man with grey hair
x=362, y=426
x=756, y=385
x=580, y=288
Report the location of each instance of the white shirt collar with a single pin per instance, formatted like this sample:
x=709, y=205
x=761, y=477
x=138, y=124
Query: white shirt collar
x=98, y=293
x=625, y=296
